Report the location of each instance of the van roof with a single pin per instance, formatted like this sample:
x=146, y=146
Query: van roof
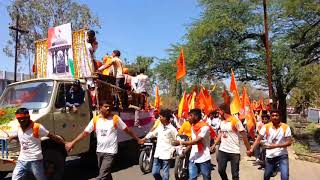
x=82, y=80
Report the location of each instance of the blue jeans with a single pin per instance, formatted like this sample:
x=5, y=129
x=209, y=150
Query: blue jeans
x=205, y=169
x=272, y=163
x=157, y=164
x=24, y=167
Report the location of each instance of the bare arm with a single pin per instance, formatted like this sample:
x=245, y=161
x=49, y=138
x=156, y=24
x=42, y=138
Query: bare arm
x=287, y=143
x=13, y=138
x=217, y=140
x=81, y=136
x=256, y=142
x=193, y=142
x=132, y=134
x=55, y=138
x=245, y=140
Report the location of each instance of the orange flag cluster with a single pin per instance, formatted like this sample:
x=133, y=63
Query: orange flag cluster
x=196, y=99
x=205, y=102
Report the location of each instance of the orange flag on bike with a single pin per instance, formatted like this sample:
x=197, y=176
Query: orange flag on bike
x=181, y=66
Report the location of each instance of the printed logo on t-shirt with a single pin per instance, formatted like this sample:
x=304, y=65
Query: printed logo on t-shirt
x=25, y=145
x=224, y=134
x=102, y=132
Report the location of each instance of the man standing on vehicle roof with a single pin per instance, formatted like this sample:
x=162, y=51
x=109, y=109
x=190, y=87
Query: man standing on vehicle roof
x=278, y=138
x=30, y=158
x=105, y=125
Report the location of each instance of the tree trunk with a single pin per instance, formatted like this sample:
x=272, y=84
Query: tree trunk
x=173, y=88
x=281, y=100
x=283, y=106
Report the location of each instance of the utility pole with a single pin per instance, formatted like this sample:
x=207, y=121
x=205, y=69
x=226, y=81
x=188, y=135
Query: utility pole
x=17, y=44
x=266, y=44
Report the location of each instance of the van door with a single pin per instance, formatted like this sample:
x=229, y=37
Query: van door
x=69, y=124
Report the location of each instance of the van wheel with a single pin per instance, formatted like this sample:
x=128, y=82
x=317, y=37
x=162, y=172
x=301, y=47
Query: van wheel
x=3, y=174
x=54, y=162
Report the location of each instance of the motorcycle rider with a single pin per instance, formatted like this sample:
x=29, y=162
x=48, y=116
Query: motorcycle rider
x=200, y=158
x=165, y=134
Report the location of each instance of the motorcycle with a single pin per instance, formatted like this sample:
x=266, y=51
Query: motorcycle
x=182, y=160
x=146, y=155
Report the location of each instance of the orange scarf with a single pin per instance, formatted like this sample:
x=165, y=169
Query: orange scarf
x=197, y=128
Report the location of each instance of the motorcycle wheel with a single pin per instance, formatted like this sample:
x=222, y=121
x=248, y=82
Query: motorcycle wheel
x=180, y=172
x=145, y=165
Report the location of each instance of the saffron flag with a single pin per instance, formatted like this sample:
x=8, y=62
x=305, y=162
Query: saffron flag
x=192, y=103
x=245, y=101
x=181, y=104
x=157, y=99
x=181, y=66
x=233, y=84
x=226, y=97
x=205, y=102
x=235, y=103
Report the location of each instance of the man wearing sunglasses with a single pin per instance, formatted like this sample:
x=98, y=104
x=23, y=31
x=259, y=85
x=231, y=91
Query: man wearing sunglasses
x=278, y=138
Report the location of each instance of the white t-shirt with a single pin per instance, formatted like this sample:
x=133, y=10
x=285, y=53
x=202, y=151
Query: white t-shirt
x=195, y=155
x=276, y=136
x=117, y=67
x=30, y=146
x=230, y=140
x=141, y=81
x=107, y=137
x=165, y=135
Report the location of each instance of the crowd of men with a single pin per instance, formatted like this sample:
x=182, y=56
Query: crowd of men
x=219, y=132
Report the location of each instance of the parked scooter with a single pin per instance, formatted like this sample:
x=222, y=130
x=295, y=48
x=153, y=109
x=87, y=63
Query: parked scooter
x=146, y=155
x=182, y=160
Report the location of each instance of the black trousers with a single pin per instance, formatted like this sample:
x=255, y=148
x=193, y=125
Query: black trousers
x=122, y=94
x=104, y=163
x=223, y=159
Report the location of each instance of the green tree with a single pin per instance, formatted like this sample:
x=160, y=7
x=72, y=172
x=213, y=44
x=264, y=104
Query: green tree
x=146, y=63
x=37, y=16
x=230, y=34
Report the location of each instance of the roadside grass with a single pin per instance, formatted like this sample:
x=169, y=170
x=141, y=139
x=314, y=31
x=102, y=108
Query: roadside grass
x=300, y=147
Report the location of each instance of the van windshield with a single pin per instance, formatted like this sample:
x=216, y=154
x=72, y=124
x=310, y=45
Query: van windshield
x=31, y=95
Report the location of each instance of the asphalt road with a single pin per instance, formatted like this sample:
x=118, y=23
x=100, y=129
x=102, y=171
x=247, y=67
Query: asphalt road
x=126, y=168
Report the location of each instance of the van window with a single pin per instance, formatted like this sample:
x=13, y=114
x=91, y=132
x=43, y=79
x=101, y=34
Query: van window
x=61, y=96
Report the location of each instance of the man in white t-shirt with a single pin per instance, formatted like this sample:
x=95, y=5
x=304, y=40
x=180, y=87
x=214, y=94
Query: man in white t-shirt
x=165, y=133
x=141, y=82
x=278, y=138
x=231, y=129
x=200, y=158
x=30, y=158
x=105, y=126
